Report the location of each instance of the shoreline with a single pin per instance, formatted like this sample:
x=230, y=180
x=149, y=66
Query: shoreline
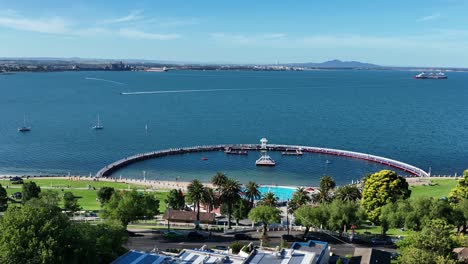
x=168, y=184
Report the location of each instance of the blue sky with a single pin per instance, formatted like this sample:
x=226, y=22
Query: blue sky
x=403, y=33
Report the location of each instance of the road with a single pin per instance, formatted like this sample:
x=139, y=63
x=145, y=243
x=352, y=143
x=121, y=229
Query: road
x=147, y=240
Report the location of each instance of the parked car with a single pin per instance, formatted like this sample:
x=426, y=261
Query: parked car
x=172, y=235
x=16, y=195
x=242, y=236
x=194, y=235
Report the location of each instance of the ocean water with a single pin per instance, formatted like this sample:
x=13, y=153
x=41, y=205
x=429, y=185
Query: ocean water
x=386, y=113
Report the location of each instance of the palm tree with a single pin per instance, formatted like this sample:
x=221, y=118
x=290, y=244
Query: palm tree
x=300, y=197
x=229, y=195
x=209, y=198
x=327, y=183
x=348, y=193
x=195, y=193
x=269, y=199
x=321, y=197
x=219, y=179
x=252, y=193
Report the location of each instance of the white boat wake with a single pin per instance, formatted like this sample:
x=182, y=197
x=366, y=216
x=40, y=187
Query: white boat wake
x=104, y=80
x=193, y=91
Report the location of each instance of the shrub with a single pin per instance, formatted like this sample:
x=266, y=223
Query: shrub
x=236, y=247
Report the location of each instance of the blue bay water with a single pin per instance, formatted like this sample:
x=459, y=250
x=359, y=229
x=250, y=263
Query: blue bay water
x=387, y=113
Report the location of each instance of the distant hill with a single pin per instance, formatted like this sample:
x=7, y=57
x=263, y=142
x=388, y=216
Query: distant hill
x=337, y=64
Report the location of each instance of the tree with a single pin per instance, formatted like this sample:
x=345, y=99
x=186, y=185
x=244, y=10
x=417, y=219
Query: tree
x=175, y=199
x=342, y=214
x=210, y=199
x=348, y=193
x=104, y=194
x=381, y=188
x=219, y=179
x=130, y=206
x=229, y=194
x=38, y=232
x=70, y=202
x=266, y=215
x=49, y=198
x=461, y=190
x=269, y=199
x=3, y=199
x=327, y=183
x=415, y=213
x=322, y=197
x=432, y=245
x=195, y=194
x=30, y=190
x=309, y=216
x=300, y=197
x=252, y=192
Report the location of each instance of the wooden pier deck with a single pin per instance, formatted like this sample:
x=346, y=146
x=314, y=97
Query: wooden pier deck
x=109, y=169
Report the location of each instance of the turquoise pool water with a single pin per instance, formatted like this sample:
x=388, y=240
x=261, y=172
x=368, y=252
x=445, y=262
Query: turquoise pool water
x=283, y=193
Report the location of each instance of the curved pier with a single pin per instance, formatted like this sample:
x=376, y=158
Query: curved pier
x=107, y=170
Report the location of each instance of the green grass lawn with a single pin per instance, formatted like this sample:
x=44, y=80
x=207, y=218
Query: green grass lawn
x=77, y=183
x=439, y=188
x=88, y=197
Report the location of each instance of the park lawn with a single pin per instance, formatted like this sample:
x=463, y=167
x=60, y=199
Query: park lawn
x=377, y=230
x=87, y=198
x=439, y=188
x=63, y=183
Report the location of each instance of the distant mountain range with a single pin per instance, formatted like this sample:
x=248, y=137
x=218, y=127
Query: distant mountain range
x=336, y=64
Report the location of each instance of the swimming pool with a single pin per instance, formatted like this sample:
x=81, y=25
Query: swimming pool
x=282, y=192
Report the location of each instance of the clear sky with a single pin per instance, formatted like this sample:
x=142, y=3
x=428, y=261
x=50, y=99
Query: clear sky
x=396, y=32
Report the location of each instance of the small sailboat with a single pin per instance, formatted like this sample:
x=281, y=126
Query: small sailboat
x=98, y=125
x=146, y=128
x=24, y=128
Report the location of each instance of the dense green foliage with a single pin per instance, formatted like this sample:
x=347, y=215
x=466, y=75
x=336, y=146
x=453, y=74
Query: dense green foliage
x=336, y=216
x=348, y=193
x=126, y=207
x=175, y=199
x=300, y=197
x=324, y=195
x=432, y=245
x=104, y=194
x=461, y=190
x=240, y=209
x=381, y=188
x=30, y=190
x=38, y=232
x=252, y=193
x=265, y=214
x=70, y=202
x=3, y=199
